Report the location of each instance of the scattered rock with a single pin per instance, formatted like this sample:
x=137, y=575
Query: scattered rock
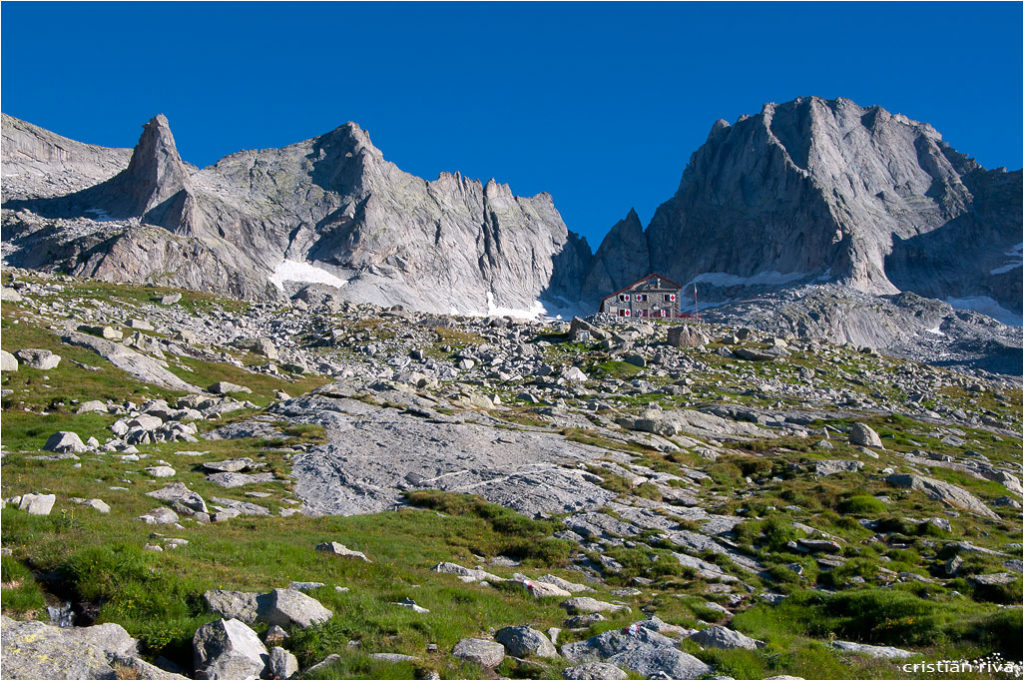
x=8, y=362
x=226, y=388
x=239, y=605
x=43, y=360
x=871, y=651
x=725, y=638
x=864, y=436
x=228, y=649
x=282, y=664
x=523, y=641
x=594, y=670
x=585, y=604
x=638, y=648
x=335, y=549
x=487, y=654
x=942, y=491
x=37, y=504
x=65, y=441
x=287, y=608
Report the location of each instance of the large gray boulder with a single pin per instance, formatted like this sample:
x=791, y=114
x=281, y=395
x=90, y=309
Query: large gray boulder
x=37, y=504
x=942, y=491
x=685, y=336
x=37, y=650
x=638, y=648
x=725, y=638
x=864, y=436
x=487, y=654
x=228, y=649
x=523, y=641
x=65, y=441
x=584, y=604
x=8, y=362
x=43, y=360
x=291, y=608
x=108, y=637
x=282, y=664
x=181, y=494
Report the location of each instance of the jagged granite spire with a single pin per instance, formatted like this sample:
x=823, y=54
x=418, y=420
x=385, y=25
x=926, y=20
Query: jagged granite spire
x=622, y=258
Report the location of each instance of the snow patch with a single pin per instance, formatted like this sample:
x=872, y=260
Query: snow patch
x=988, y=306
x=1016, y=252
x=724, y=279
x=536, y=310
x=304, y=272
x=937, y=330
x=99, y=215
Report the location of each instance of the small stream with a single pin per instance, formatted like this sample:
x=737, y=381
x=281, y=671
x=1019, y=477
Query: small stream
x=61, y=615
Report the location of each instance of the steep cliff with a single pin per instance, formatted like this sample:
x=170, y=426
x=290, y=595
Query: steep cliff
x=815, y=190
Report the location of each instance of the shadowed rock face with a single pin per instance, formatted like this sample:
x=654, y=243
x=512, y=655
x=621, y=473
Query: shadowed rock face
x=815, y=189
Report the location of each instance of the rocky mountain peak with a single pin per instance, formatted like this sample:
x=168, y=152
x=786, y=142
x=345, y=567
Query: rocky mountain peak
x=156, y=172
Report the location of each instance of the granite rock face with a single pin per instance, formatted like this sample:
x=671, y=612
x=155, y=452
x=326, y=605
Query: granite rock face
x=826, y=190
x=259, y=224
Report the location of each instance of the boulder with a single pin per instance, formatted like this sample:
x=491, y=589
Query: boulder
x=108, y=637
x=638, y=648
x=282, y=664
x=872, y=651
x=36, y=650
x=584, y=604
x=487, y=654
x=181, y=494
x=594, y=670
x=138, y=365
x=170, y=299
x=335, y=549
x=43, y=360
x=565, y=584
x=226, y=388
x=995, y=579
x=65, y=441
x=37, y=504
x=159, y=516
x=160, y=471
x=231, y=465
x=92, y=406
x=228, y=649
x=540, y=589
x=864, y=436
x=466, y=574
x=523, y=641
x=97, y=504
x=239, y=605
x=833, y=466
x=686, y=337
x=942, y=491
x=288, y=608
x=725, y=638
x=8, y=362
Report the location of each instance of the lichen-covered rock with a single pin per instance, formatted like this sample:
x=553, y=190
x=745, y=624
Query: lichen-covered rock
x=239, y=605
x=594, y=670
x=487, y=654
x=282, y=664
x=637, y=648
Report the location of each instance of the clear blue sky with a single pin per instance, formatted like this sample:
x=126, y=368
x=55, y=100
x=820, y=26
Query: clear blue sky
x=599, y=104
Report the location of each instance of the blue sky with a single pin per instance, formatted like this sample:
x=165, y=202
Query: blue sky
x=599, y=104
